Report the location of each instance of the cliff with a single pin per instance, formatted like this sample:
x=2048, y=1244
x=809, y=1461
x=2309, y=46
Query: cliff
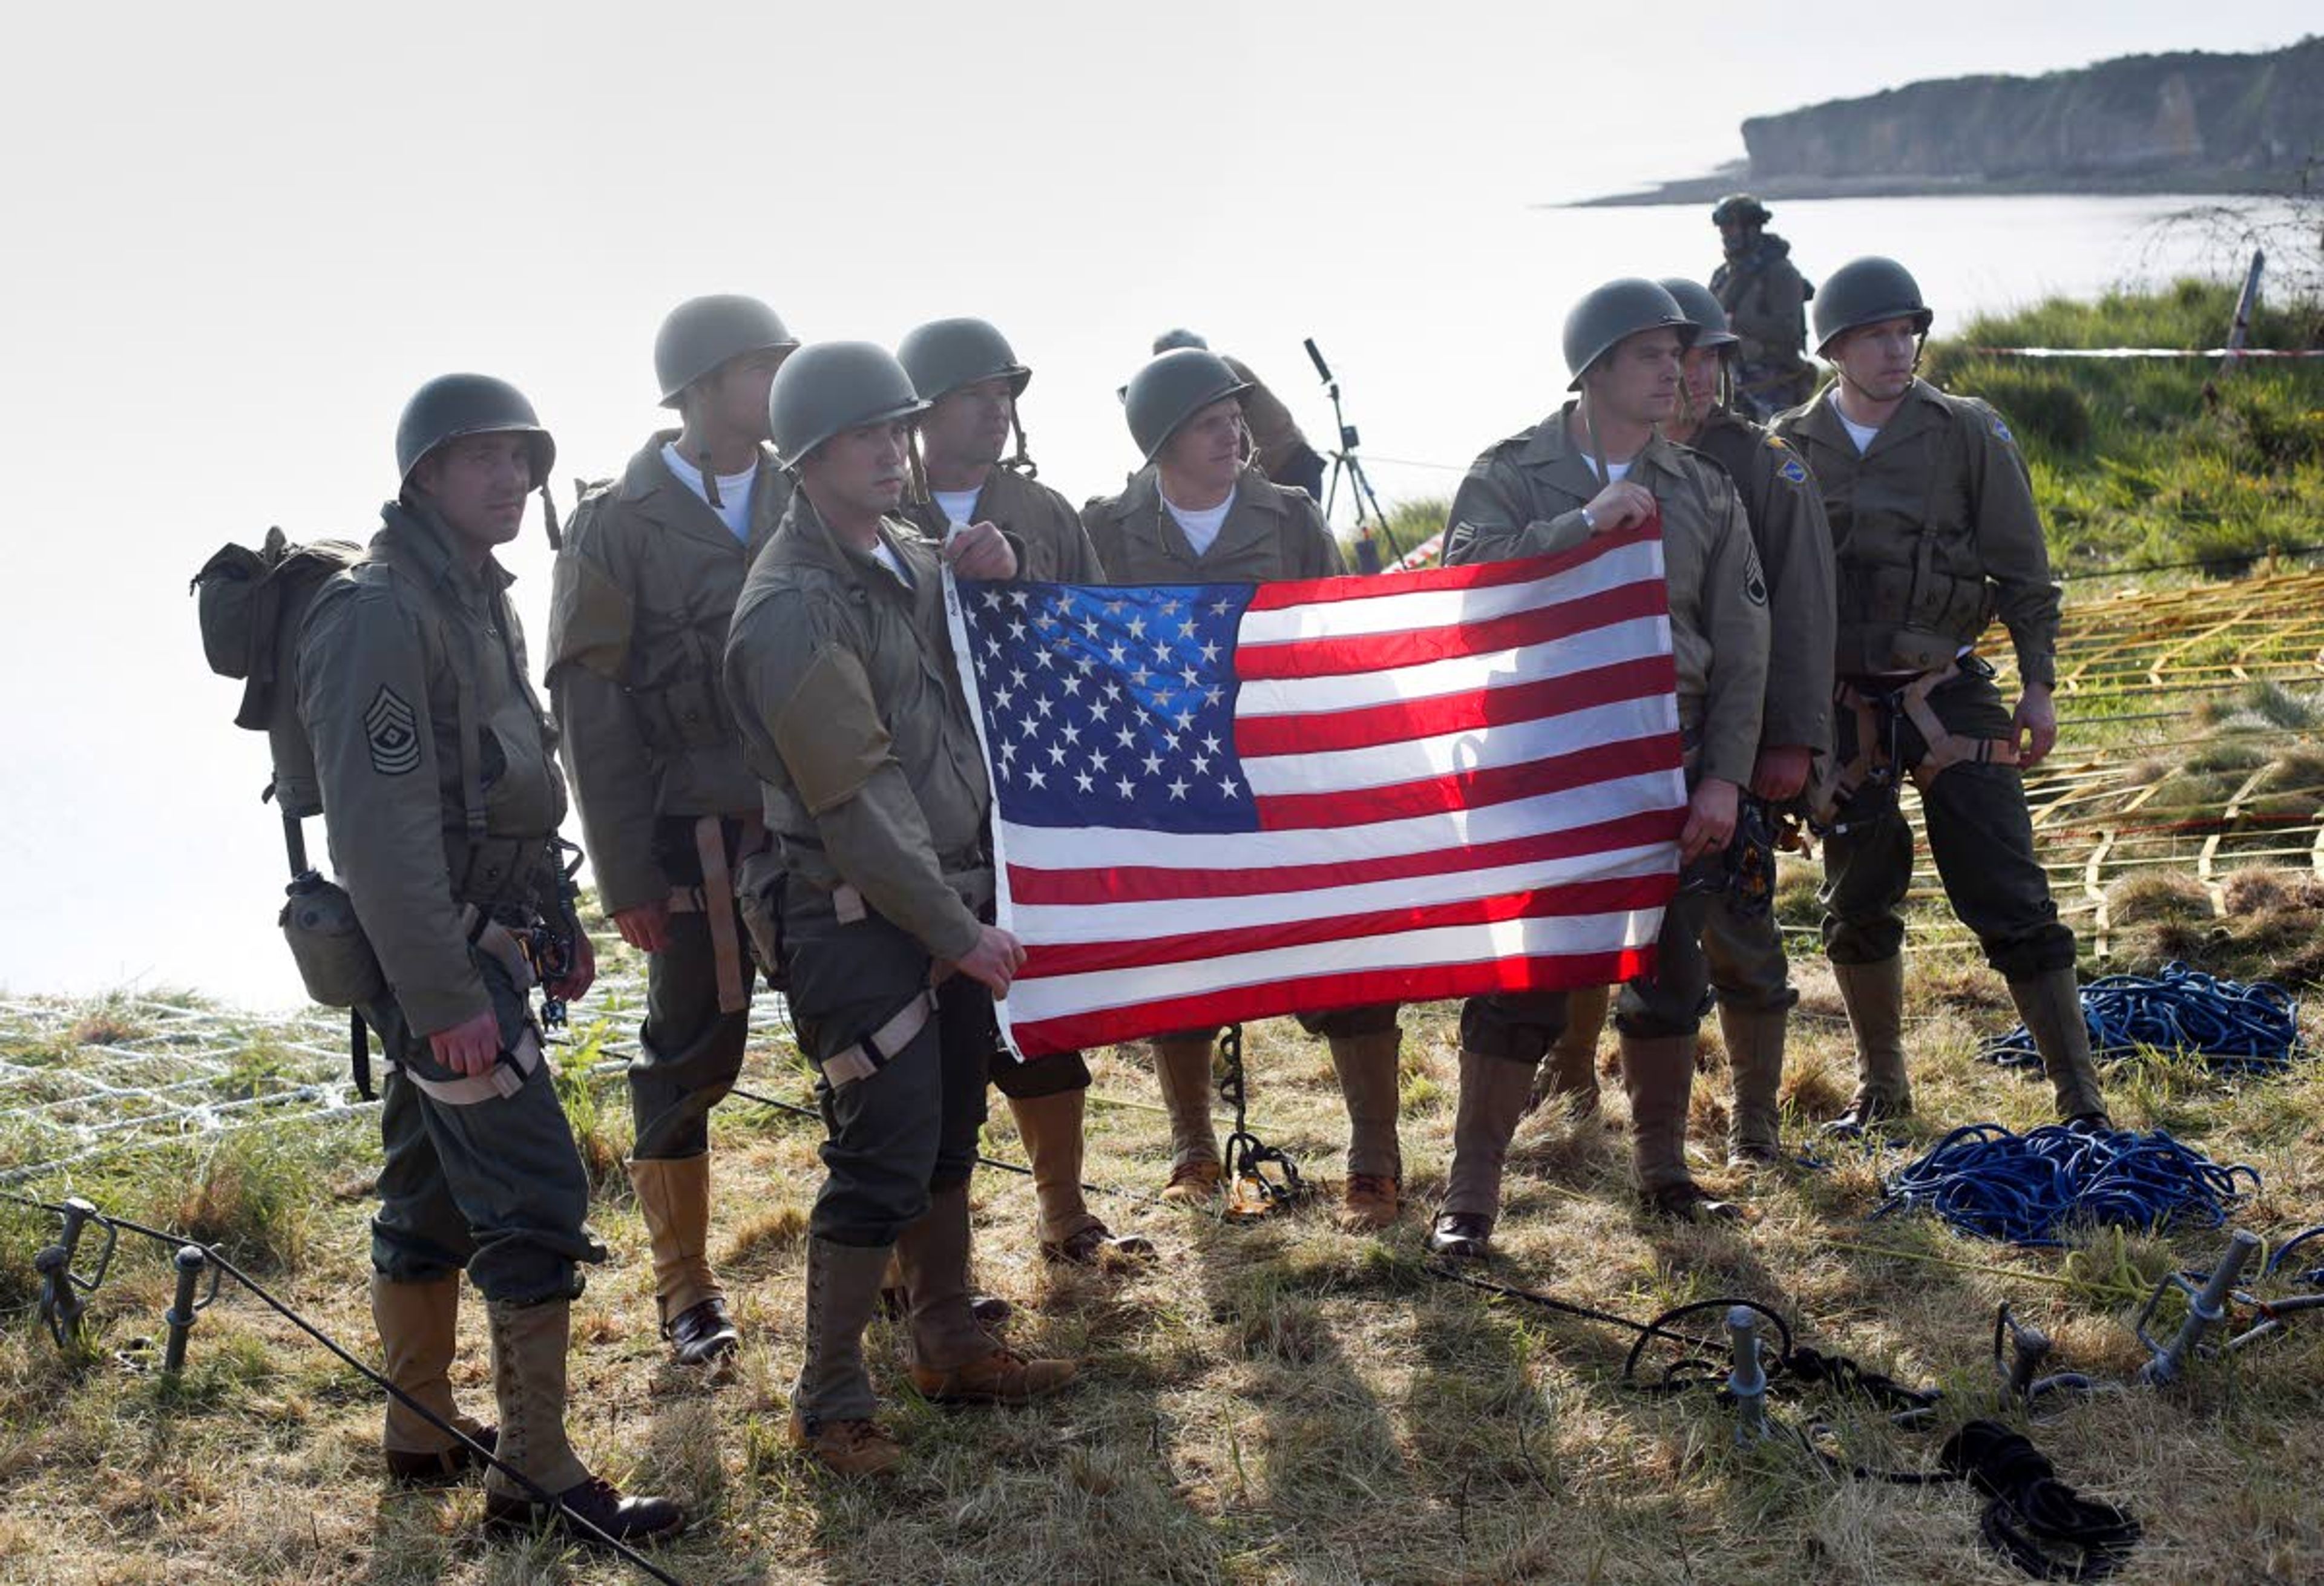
x=2193, y=115
x=2190, y=122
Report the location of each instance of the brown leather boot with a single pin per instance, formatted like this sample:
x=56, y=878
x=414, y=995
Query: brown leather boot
x=419, y=1328
x=1658, y=1071
x=896, y=1304
x=2051, y=1007
x=1568, y=1075
x=674, y=1198
x=530, y=1343
x=1052, y=1129
x=1367, y=1068
x=954, y=1360
x=1754, y=1062
x=1182, y=1068
x=832, y=1402
x=1874, y=996
x=1494, y=1092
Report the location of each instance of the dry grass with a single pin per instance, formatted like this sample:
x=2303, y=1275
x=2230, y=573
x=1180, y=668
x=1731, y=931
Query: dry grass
x=1282, y=1402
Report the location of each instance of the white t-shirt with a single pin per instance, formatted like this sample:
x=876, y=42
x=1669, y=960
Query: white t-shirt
x=886, y=556
x=1858, y=433
x=1614, y=474
x=733, y=508
x=958, y=506
x=1201, y=528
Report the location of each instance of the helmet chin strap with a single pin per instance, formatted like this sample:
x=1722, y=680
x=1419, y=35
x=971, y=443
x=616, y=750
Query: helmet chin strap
x=1022, y=462
x=1598, y=466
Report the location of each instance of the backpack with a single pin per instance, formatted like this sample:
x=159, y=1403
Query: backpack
x=251, y=605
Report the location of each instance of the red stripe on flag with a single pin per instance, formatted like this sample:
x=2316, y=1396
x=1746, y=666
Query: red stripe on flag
x=1365, y=726
x=1282, y=596
x=1361, y=807
x=1374, y=652
x=1418, y=984
x=1619, y=894
x=1154, y=883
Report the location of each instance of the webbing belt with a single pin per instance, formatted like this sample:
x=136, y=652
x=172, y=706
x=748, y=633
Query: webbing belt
x=502, y=1079
x=714, y=901
x=868, y=1055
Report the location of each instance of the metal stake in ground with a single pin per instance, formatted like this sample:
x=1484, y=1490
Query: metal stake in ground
x=1261, y=1177
x=1748, y=1380
x=191, y=1261
x=62, y=1290
x=2205, y=1310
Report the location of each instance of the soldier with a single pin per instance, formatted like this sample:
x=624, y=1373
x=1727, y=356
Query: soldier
x=971, y=379
x=1765, y=300
x=1199, y=512
x=1744, y=949
x=841, y=672
x=1280, y=447
x=442, y=802
x=644, y=592
x=1933, y=513
x=1594, y=466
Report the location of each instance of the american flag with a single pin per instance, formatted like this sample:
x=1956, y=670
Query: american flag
x=1223, y=802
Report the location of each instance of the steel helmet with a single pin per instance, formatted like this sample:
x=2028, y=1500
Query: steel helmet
x=1614, y=312
x=944, y=354
x=453, y=405
x=1741, y=208
x=828, y=386
x=702, y=333
x=1701, y=310
x=1171, y=389
x=1170, y=341
x=1865, y=291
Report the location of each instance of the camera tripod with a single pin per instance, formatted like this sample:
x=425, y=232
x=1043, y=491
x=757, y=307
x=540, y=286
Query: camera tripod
x=1344, y=461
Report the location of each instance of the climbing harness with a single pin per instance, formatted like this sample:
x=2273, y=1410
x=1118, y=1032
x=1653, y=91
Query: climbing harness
x=2242, y=1030
x=2033, y=1189
x=1261, y=1179
x=1864, y=784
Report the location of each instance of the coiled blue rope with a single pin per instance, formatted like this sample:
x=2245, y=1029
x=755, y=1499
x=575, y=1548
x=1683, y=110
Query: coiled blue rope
x=2243, y=1030
x=2313, y=1276
x=2034, y=1188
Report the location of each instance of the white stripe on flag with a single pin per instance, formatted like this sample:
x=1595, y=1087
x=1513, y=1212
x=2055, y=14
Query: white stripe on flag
x=1388, y=612
x=1639, y=639
x=1472, y=749
x=1549, y=935
x=1169, y=917
x=1099, y=847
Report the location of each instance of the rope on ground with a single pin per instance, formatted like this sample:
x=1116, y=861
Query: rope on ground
x=2036, y=1521
x=2035, y=1188
x=2242, y=1030
x=218, y=1263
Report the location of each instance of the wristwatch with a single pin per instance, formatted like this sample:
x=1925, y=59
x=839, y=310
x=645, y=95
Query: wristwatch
x=1588, y=520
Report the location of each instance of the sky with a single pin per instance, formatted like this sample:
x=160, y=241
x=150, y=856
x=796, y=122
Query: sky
x=240, y=235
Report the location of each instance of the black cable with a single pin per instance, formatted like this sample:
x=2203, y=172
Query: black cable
x=797, y=1110
x=2212, y=560
x=541, y=1494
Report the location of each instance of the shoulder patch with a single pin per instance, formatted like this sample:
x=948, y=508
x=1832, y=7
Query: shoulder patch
x=2001, y=428
x=392, y=732
x=1792, y=470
